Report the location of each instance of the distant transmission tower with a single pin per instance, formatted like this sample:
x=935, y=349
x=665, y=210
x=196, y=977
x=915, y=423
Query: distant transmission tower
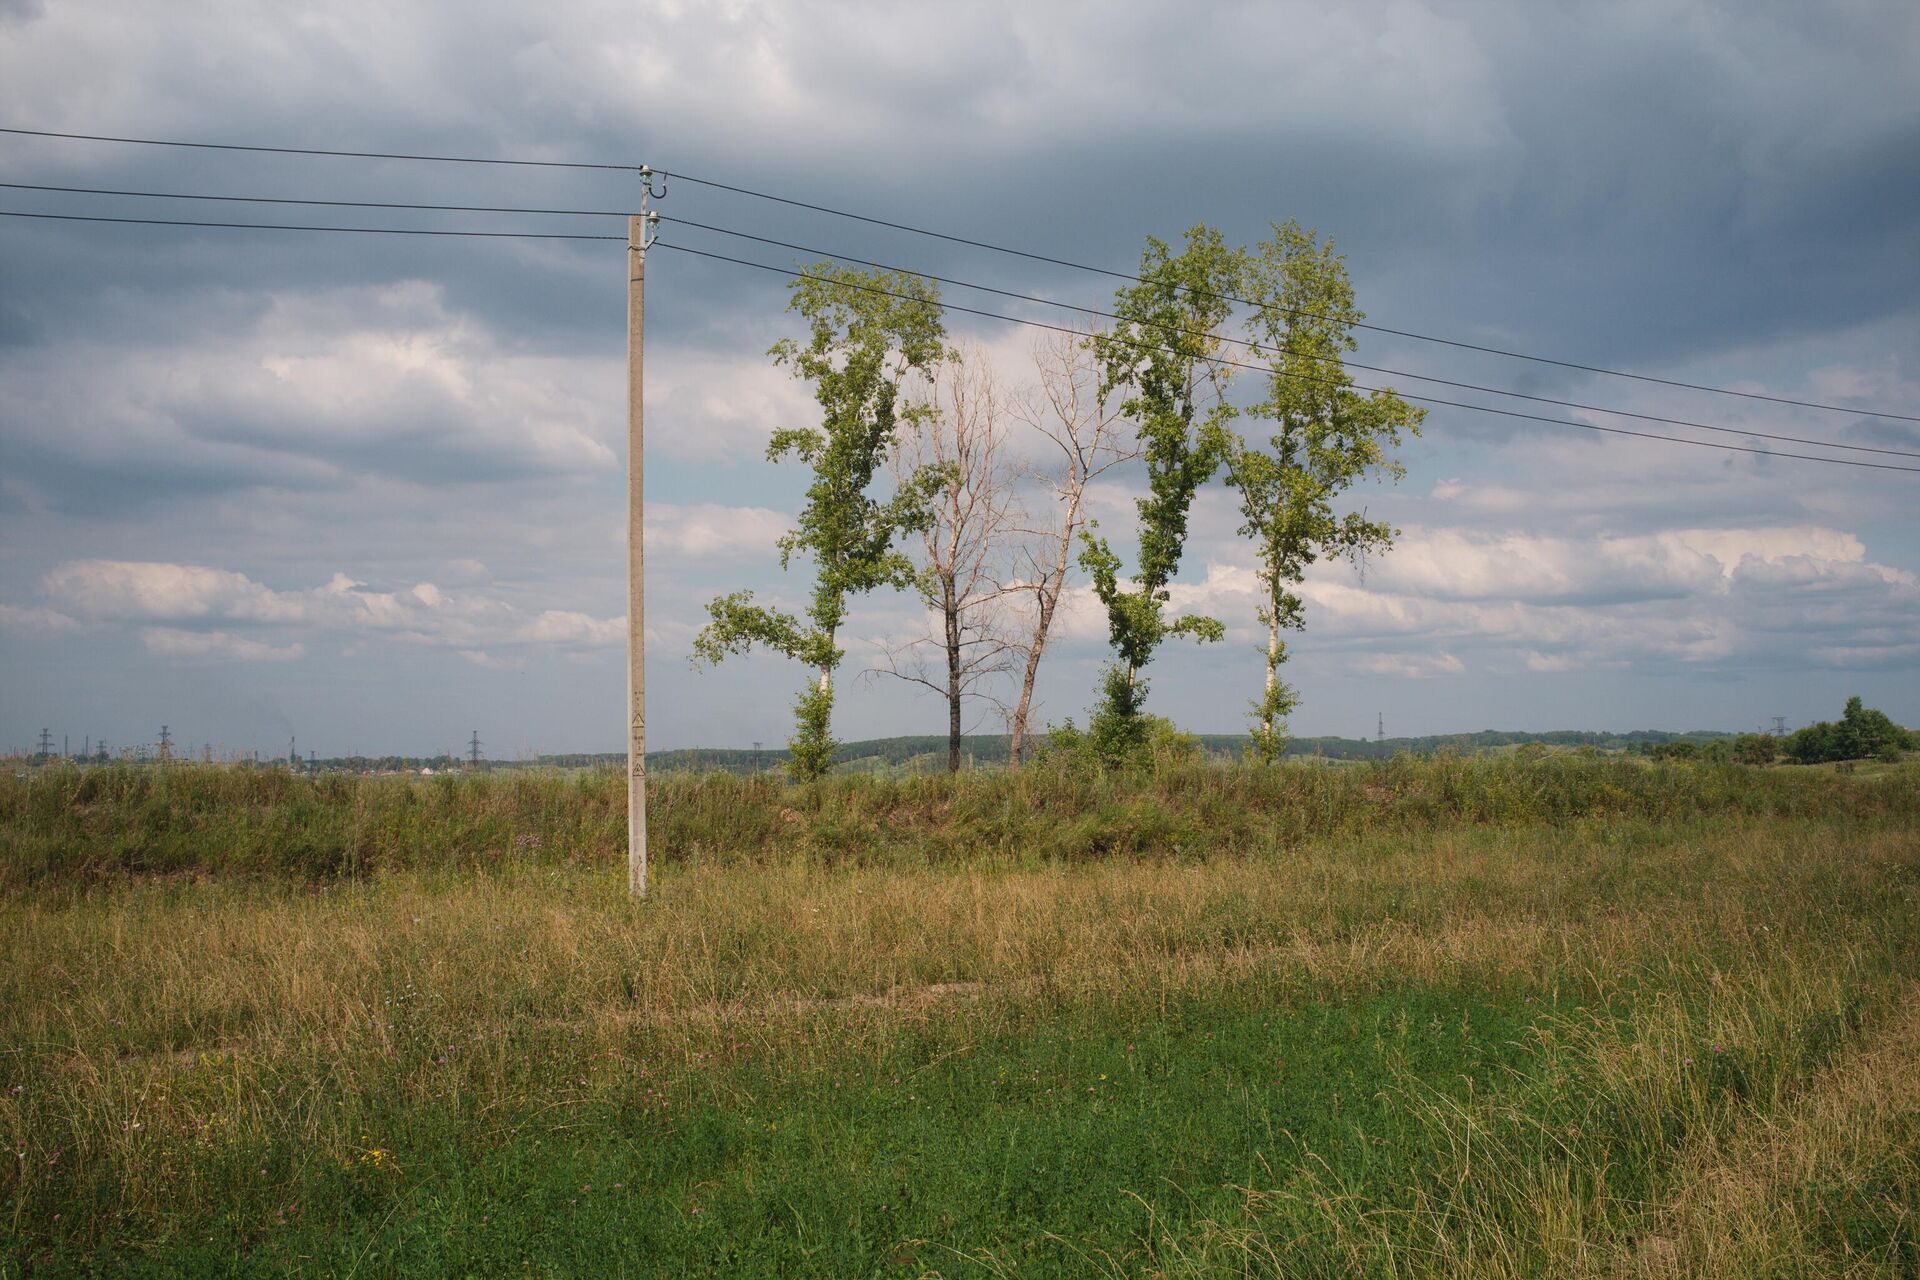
x=46, y=742
x=1779, y=726
x=473, y=750
x=1380, y=727
x=166, y=744
x=756, y=757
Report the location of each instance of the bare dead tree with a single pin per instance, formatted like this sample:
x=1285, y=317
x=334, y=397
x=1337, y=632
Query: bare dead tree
x=965, y=543
x=1071, y=409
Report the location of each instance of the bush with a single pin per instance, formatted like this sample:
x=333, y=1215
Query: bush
x=1861, y=733
x=1140, y=742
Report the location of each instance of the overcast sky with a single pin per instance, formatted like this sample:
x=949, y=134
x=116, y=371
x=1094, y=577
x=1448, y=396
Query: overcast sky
x=369, y=490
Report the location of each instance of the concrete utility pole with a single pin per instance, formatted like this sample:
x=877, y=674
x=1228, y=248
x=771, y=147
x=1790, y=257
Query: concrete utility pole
x=640, y=231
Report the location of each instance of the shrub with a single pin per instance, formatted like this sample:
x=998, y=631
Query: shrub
x=1861, y=733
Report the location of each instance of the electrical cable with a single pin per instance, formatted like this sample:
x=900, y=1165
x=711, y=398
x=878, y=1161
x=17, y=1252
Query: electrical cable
x=962, y=240
x=1256, y=347
x=320, y=151
x=963, y=284
x=287, y=226
x=1235, y=364
x=339, y=204
x=950, y=306
x=1247, y=302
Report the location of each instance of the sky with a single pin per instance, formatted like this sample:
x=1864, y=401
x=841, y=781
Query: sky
x=369, y=491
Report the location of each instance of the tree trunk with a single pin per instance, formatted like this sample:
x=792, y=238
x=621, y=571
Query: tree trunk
x=951, y=608
x=1021, y=712
x=1273, y=674
x=1047, y=598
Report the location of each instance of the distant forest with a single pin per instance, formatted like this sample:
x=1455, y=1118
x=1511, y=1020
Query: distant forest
x=930, y=751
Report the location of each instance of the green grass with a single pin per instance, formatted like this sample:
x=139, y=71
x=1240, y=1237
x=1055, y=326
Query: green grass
x=88, y=825
x=1542, y=1019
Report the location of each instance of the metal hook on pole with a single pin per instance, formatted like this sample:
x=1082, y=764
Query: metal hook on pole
x=650, y=219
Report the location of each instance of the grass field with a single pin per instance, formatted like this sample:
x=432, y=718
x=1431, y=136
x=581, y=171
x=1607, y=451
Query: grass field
x=1584, y=1017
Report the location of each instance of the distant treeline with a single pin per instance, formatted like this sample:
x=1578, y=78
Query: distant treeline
x=930, y=751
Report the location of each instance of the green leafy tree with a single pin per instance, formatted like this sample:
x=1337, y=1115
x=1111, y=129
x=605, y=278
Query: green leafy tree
x=866, y=333
x=1162, y=354
x=1325, y=436
x=1860, y=732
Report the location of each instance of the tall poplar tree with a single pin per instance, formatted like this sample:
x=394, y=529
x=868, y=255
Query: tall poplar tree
x=1325, y=435
x=866, y=332
x=1162, y=354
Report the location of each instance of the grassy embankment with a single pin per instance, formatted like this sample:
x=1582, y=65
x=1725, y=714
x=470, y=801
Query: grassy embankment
x=1455, y=1017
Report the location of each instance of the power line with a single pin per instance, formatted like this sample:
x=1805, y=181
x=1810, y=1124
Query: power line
x=951, y=306
x=1227, y=297
x=1256, y=347
x=958, y=283
x=1236, y=364
x=961, y=240
x=320, y=151
x=340, y=204
x=287, y=226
